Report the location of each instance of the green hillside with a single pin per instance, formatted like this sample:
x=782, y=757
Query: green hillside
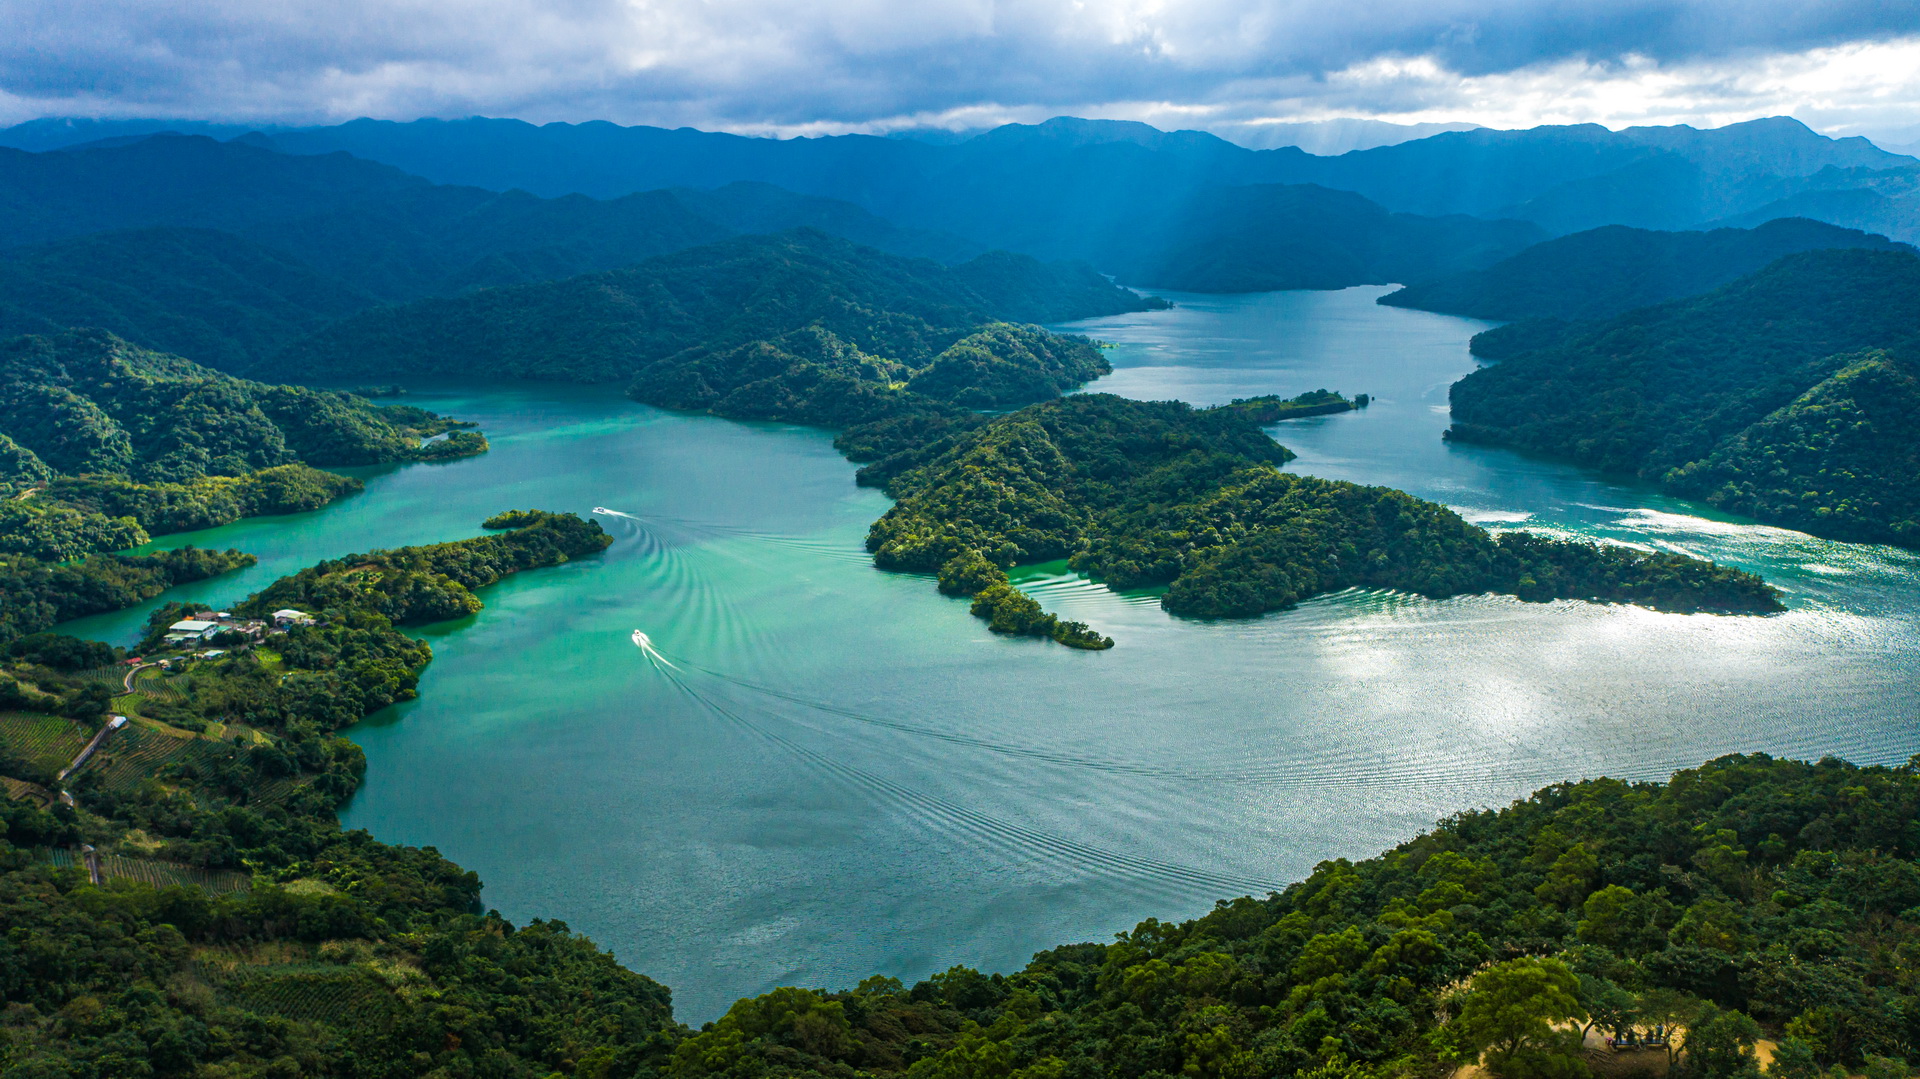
x=1753, y=397
x=212, y=296
x=1744, y=892
x=36, y=595
x=102, y=443
x=1609, y=271
x=610, y=326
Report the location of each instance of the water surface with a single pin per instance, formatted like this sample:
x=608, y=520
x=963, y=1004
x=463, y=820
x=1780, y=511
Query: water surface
x=842, y=773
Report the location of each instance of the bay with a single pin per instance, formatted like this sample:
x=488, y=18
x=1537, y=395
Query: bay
x=829, y=771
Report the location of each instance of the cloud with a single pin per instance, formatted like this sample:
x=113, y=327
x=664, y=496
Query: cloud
x=787, y=66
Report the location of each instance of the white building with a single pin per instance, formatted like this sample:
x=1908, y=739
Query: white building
x=191, y=629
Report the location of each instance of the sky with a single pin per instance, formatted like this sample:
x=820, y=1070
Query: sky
x=788, y=67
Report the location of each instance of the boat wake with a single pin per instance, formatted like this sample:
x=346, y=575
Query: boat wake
x=645, y=644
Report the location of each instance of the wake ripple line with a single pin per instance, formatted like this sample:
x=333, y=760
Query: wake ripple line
x=1001, y=834
x=1324, y=774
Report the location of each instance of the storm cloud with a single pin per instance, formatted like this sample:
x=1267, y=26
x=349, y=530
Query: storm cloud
x=789, y=66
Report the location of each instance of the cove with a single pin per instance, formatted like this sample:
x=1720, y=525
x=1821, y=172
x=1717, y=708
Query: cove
x=843, y=774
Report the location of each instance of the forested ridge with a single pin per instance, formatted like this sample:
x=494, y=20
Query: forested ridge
x=1788, y=395
x=1608, y=271
x=614, y=325
x=103, y=444
x=36, y=595
x=894, y=353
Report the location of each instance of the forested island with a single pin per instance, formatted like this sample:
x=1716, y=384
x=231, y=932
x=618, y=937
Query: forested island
x=1788, y=395
x=103, y=444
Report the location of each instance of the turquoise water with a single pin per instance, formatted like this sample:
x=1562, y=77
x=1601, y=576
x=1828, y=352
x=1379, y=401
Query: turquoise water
x=841, y=773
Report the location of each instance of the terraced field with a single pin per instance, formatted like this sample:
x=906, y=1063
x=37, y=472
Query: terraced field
x=48, y=741
x=157, y=873
x=161, y=686
x=112, y=676
x=135, y=752
x=341, y=998
x=276, y=791
x=288, y=981
x=20, y=788
x=167, y=874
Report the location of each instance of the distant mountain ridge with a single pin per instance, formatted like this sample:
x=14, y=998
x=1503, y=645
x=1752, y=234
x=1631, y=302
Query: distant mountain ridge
x=1565, y=179
x=214, y=296
x=1148, y=205
x=1480, y=172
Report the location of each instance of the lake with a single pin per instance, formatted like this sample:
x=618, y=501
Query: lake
x=829, y=771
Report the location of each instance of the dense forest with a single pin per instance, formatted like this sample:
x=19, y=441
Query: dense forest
x=229, y=252
x=212, y=296
x=103, y=443
x=1788, y=395
x=1609, y=271
x=1143, y=494
x=36, y=595
x=1744, y=897
x=609, y=326
x=234, y=929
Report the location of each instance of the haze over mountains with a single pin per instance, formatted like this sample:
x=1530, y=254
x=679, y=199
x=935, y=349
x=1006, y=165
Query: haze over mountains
x=375, y=212
x=993, y=187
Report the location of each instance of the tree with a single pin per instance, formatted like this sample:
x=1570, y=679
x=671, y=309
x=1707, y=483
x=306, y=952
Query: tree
x=1510, y=1012
x=1719, y=1045
x=1793, y=1059
x=1570, y=877
x=1671, y=1009
x=1607, y=1005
